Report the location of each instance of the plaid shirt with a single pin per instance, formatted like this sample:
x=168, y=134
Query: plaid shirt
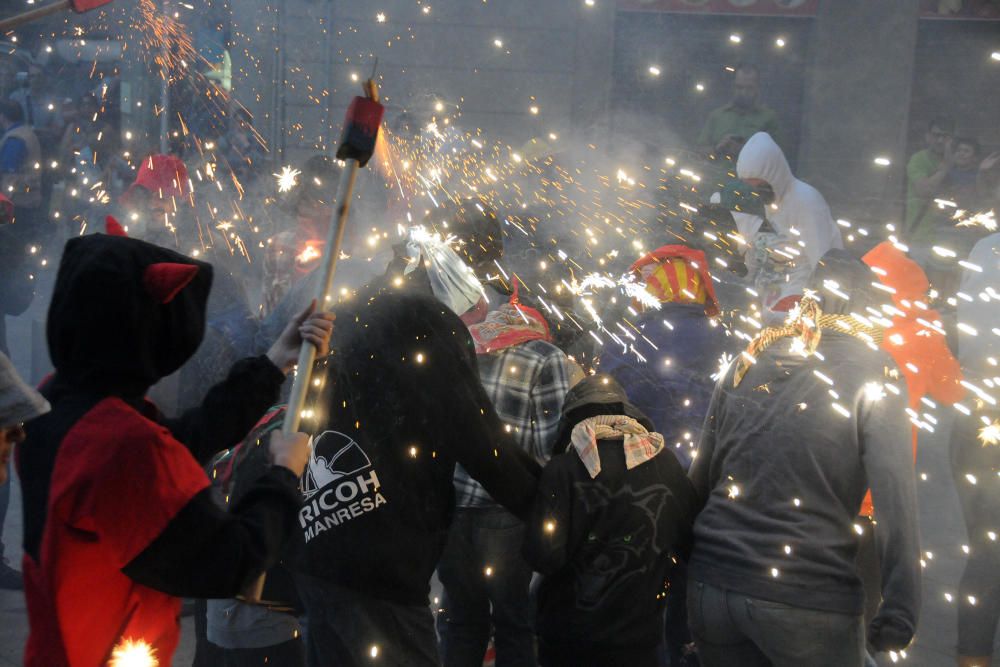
x=527, y=384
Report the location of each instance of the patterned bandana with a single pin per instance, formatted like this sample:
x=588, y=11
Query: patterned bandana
x=806, y=324
x=640, y=445
x=509, y=325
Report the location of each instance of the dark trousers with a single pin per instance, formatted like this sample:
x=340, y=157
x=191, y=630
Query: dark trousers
x=977, y=622
x=346, y=628
x=733, y=629
x=4, y=504
x=289, y=654
x=476, y=597
x=593, y=656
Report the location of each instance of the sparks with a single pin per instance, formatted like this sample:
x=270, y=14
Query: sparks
x=133, y=653
x=287, y=179
x=990, y=434
x=307, y=255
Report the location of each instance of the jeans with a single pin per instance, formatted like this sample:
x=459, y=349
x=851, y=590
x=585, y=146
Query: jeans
x=733, y=629
x=977, y=623
x=346, y=628
x=482, y=538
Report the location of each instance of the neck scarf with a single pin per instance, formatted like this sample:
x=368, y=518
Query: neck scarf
x=806, y=325
x=640, y=445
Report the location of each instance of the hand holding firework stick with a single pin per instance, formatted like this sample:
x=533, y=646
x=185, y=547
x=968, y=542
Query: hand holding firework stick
x=290, y=451
x=78, y=6
x=308, y=326
x=357, y=144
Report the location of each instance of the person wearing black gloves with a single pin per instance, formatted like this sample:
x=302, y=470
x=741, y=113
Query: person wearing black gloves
x=800, y=425
x=612, y=513
x=400, y=404
x=119, y=522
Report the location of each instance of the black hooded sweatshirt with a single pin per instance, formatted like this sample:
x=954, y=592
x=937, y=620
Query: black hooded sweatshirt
x=606, y=544
x=110, y=337
x=401, y=405
x=785, y=459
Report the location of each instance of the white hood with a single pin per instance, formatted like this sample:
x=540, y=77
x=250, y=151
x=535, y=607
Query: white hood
x=799, y=212
x=762, y=158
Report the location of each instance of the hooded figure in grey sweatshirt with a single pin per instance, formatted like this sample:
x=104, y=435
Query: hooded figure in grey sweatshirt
x=790, y=444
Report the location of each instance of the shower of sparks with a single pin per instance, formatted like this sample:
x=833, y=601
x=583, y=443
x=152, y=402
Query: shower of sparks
x=985, y=219
x=133, y=653
x=990, y=434
x=287, y=179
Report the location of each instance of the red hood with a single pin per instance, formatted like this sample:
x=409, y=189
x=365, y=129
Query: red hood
x=901, y=273
x=164, y=175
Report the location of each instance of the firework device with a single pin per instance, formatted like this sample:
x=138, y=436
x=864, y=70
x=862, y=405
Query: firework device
x=78, y=6
x=361, y=125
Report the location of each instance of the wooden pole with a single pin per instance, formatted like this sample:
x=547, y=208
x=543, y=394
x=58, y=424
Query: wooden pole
x=33, y=15
x=307, y=353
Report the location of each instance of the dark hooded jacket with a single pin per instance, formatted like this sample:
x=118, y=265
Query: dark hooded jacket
x=784, y=461
x=117, y=517
x=606, y=544
x=674, y=385
x=401, y=404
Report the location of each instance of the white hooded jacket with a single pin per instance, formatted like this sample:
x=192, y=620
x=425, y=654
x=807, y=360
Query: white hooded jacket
x=798, y=206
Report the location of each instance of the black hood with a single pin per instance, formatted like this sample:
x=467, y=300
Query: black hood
x=395, y=354
x=596, y=395
x=109, y=329
x=852, y=277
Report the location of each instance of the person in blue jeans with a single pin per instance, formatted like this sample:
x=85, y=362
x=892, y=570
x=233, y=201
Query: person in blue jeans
x=810, y=416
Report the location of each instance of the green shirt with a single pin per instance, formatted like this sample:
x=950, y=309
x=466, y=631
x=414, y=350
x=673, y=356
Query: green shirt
x=919, y=209
x=738, y=122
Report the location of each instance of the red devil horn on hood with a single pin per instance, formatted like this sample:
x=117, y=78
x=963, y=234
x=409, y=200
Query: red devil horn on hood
x=165, y=280
x=113, y=228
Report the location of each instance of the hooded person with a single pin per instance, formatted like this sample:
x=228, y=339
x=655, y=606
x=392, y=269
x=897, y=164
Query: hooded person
x=613, y=512
x=118, y=520
x=399, y=405
x=667, y=372
x=526, y=378
x=800, y=426
x=922, y=355
x=802, y=228
x=152, y=201
x=919, y=349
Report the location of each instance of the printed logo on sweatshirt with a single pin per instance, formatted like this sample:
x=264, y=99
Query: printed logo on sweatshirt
x=339, y=484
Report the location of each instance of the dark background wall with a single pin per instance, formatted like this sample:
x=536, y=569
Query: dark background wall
x=692, y=48
x=956, y=76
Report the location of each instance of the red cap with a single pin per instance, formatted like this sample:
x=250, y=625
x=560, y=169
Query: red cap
x=163, y=175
